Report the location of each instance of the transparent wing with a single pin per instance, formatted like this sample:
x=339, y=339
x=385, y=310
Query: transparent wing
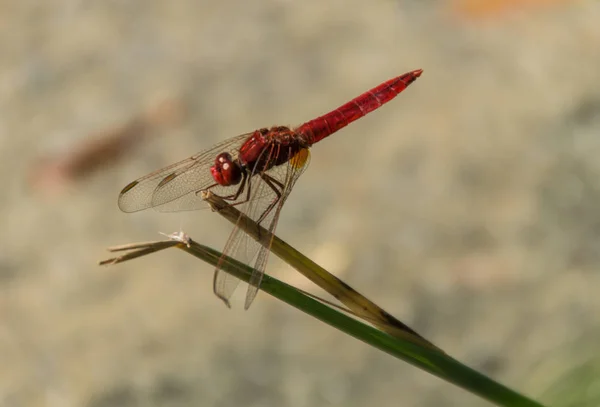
x=174, y=188
x=239, y=245
x=295, y=167
x=265, y=206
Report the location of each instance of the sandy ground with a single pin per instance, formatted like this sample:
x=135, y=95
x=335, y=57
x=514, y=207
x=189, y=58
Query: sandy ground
x=468, y=207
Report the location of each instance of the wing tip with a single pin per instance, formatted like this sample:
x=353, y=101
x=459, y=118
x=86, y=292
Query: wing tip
x=128, y=205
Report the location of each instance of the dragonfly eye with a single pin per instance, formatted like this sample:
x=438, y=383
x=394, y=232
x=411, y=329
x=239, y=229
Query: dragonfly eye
x=226, y=171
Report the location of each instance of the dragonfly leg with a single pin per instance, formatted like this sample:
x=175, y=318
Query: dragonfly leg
x=235, y=196
x=277, y=187
x=239, y=191
x=268, y=179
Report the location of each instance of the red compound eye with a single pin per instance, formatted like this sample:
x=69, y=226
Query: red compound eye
x=226, y=171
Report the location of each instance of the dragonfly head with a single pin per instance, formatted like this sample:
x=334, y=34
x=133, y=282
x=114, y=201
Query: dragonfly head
x=226, y=170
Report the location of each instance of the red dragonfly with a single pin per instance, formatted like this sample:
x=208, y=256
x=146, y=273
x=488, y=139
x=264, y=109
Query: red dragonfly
x=256, y=170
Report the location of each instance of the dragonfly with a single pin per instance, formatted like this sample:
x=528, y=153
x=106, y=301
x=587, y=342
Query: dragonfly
x=255, y=172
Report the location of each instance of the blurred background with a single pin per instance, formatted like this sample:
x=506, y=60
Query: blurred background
x=468, y=207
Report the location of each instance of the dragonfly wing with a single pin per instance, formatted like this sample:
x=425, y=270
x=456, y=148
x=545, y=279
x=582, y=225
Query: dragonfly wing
x=239, y=245
x=264, y=205
x=174, y=188
x=224, y=284
x=286, y=175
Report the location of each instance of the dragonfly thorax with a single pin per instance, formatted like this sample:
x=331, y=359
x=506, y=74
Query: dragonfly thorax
x=226, y=171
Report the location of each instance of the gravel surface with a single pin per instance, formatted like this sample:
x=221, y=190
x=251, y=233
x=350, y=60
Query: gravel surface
x=468, y=207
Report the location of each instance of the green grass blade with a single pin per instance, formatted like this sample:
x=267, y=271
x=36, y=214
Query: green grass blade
x=421, y=356
x=360, y=305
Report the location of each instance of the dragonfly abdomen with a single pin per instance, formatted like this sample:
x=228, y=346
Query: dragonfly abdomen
x=321, y=127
